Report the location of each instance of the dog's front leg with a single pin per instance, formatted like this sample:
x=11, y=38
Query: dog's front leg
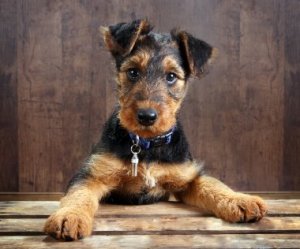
x=213, y=196
x=74, y=219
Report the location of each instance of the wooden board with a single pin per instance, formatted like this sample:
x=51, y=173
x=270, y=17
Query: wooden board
x=29, y=209
x=8, y=96
x=172, y=224
x=292, y=96
x=158, y=241
x=56, y=196
x=161, y=225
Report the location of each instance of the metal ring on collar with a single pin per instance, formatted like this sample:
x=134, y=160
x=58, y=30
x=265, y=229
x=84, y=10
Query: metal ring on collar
x=135, y=149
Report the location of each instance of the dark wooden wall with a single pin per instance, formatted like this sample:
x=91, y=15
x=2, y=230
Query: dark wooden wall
x=57, y=88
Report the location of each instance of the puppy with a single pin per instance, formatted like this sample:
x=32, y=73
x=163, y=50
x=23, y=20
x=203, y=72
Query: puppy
x=143, y=155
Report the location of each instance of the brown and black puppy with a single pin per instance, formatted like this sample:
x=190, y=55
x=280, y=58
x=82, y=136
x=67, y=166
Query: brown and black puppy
x=152, y=73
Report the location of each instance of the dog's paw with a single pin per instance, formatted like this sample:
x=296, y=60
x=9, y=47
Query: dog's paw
x=242, y=208
x=68, y=224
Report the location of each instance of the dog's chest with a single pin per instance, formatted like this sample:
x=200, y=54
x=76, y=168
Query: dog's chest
x=145, y=180
x=154, y=182
x=160, y=177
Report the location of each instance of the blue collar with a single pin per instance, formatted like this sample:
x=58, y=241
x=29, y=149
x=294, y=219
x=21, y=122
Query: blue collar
x=152, y=142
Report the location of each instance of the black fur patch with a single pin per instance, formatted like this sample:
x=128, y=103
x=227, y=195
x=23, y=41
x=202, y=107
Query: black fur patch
x=81, y=175
x=123, y=33
x=198, y=51
x=133, y=199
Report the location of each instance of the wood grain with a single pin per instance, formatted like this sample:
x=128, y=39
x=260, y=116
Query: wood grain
x=158, y=241
x=290, y=171
x=8, y=97
x=56, y=196
x=57, y=88
x=161, y=225
x=40, y=96
x=56, y=80
x=43, y=209
x=261, y=106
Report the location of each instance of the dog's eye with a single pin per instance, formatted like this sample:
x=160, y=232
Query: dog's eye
x=171, y=78
x=133, y=74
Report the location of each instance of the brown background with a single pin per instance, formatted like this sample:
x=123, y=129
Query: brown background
x=57, y=88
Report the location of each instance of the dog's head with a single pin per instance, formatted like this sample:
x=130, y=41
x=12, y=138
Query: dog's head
x=153, y=70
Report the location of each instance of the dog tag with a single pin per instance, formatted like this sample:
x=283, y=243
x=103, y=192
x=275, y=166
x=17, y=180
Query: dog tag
x=135, y=150
x=134, y=163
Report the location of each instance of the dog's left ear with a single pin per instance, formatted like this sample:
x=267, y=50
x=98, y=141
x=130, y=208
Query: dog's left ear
x=196, y=53
x=121, y=38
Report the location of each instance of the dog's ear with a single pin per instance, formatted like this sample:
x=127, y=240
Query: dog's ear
x=196, y=53
x=121, y=38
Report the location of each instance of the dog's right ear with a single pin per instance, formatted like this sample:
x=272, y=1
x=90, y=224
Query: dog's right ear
x=196, y=53
x=121, y=38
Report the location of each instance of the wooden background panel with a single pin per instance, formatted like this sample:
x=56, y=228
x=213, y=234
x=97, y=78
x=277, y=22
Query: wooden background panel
x=40, y=96
x=241, y=118
x=261, y=95
x=8, y=97
x=290, y=171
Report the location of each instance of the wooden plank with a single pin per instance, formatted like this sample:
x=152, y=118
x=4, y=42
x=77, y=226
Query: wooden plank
x=283, y=207
x=55, y=70
x=161, y=225
x=290, y=172
x=45, y=208
x=158, y=241
x=259, y=134
x=8, y=96
x=40, y=99
x=271, y=195
x=30, y=196
x=56, y=196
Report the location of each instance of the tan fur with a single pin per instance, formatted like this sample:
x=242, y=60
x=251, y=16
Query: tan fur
x=211, y=195
x=179, y=89
x=74, y=219
x=175, y=177
x=169, y=177
x=107, y=168
x=213, y=57
x=184, y=38
x=109, y=42
x=139, y=60
x=170, y=65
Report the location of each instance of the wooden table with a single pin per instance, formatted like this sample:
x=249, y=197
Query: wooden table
x=162, y=225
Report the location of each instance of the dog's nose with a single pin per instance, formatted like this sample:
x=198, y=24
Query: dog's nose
x=146, y=117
